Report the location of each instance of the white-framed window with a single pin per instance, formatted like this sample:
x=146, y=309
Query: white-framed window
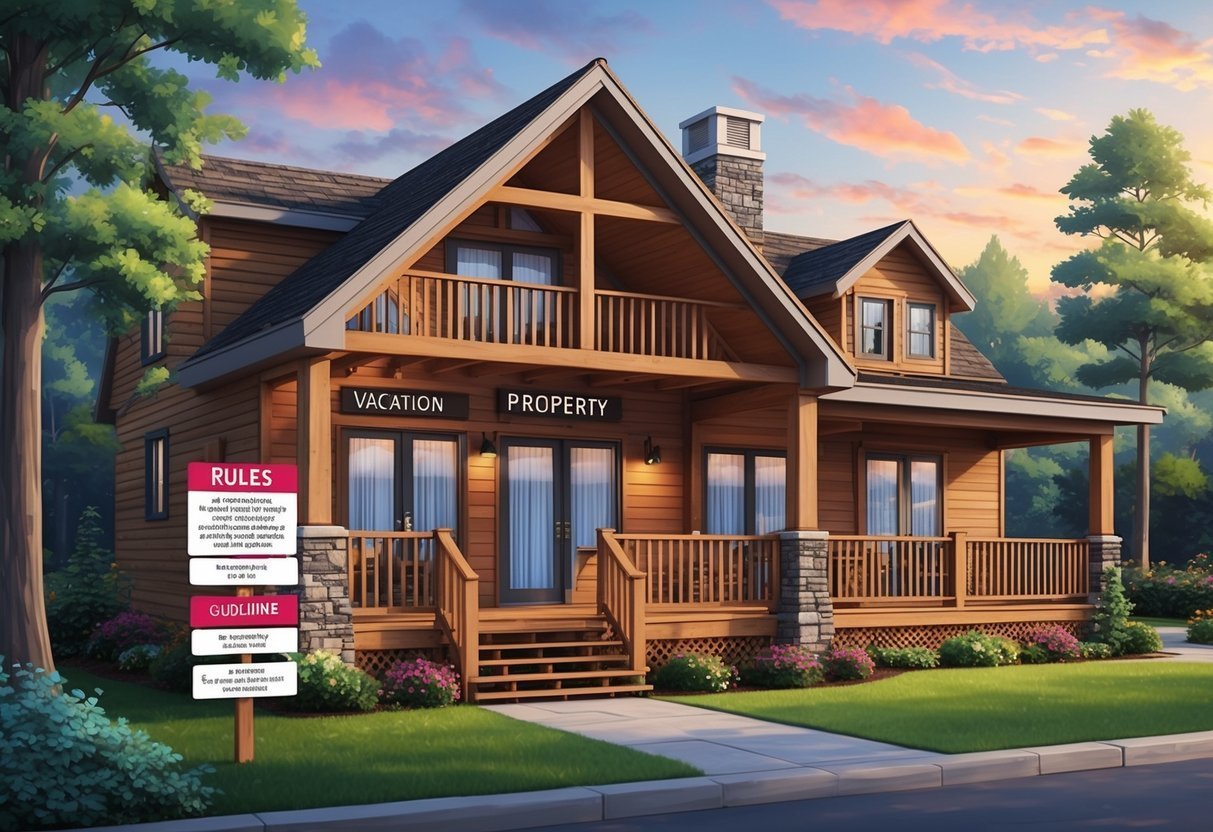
x=152, y=336
x=745, y=491
x=921, y=330
x=874, y=330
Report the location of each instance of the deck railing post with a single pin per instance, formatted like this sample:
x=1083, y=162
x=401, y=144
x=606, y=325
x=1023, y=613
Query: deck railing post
x=960, y=566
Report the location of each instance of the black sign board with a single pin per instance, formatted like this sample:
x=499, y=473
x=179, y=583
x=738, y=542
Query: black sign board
x=379, y=402
x=559, y=405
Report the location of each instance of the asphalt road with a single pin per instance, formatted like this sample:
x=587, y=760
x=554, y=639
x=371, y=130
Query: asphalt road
x=1176, y=796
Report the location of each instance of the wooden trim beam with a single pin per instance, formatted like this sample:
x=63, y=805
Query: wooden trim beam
x=742, y=401
x=1003, y=441
x=315, y=436
x=576, y=203
x=833, y=428
x=874, y=415
x=585, y=251
x=587, y=360
x=802, y=461
x=1100, y=467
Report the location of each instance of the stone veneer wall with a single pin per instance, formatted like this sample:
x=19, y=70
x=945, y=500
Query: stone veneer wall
x=737, y=183
x=1105, y=551
x=326, y=620
x=806, y=613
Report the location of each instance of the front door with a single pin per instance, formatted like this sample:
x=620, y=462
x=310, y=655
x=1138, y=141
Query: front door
x=555, y=495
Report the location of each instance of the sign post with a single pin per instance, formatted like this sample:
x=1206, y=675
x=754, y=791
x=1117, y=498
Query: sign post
x=242, y=520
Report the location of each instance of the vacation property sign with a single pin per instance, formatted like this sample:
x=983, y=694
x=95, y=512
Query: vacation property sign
x=559, y=405
x=380, y=402
x=242, y=509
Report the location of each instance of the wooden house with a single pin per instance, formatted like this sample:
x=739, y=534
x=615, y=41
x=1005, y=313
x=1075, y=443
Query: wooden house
x=561, y=408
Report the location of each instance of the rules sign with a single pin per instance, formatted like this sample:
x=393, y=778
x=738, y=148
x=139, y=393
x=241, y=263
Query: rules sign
x=238, y=509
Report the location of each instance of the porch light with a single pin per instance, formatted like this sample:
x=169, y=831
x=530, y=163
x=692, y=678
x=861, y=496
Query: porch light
x=487, y=448
x=652, y=453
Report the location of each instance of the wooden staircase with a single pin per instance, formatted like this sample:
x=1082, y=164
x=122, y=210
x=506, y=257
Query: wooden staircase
x=555, y=653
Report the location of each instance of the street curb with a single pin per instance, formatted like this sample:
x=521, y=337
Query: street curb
x=528, y=810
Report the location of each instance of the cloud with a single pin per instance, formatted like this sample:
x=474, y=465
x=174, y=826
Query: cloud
x=1001, y=122
x=371, y=81
x=885, y=130
x=928, y=21
x=569, y=28
x=950, y=82
x=1055, y=115
x=1040, y=146
x=1152, y=50
x=1016, y=190
x=363, y=147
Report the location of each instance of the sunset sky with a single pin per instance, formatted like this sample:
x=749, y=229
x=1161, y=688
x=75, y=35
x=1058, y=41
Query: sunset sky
x=965, y=116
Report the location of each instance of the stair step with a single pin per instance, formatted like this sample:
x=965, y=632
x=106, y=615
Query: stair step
x=555, y=676
x=485, y=696
x=600, y=657
x=539, y=626
x=549, y=645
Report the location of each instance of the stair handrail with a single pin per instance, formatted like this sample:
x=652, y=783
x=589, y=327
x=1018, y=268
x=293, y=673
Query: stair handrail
x=457, y=605
x=621, y=598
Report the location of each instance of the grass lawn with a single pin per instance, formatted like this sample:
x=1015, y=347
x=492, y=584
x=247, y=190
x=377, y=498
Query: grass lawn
x=1160, y=622
x=981, y=709
x=398, y=755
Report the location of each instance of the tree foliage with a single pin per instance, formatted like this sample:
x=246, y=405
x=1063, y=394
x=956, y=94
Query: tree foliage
x=81, y=102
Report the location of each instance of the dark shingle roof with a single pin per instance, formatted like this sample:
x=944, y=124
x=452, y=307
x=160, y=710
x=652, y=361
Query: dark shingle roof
x=779, y=248
x=968, y=361
x=401, y=204
x=809, y=273
x=279, y=186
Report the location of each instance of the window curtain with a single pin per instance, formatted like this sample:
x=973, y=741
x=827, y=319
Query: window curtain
x=435, y=475
x=770, y=494
x=882, y=496
x=477, y=262
x=532, y=521
x=924, y=498
x=594, y=493
x=372, y=471
x=922, y=330
x=874, y=327
x=725, y=510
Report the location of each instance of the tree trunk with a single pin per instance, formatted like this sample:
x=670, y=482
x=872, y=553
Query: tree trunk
x=23, y=634
x=1142, y=514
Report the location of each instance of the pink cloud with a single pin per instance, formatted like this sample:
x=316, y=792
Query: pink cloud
x=569, y=28
x=1055, y=115
x=1152, y=50
x=885, y=130
x=361, y=147
x=932, y=20
x=950, y=82
x=371, y=81
x=1040, y=146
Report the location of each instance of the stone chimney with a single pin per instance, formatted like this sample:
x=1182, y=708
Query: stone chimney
x=724, y=146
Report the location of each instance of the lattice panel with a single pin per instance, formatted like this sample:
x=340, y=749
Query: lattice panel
x=376, y=662
x=934, y=635
x=733, y=649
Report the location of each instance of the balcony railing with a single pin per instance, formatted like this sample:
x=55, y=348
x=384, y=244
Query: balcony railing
x=391, y=571
x=435, y=305
x=706, y=569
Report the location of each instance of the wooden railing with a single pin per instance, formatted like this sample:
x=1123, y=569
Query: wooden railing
x=391, y=571
x=657, y=325
x=457, y=590
x=435, y=305
x=889, y=566
x=956, y=570
x=1013, y=569
x=621, y=598
x=706, y=568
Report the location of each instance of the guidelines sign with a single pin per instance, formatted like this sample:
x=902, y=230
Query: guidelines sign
x=559, y=405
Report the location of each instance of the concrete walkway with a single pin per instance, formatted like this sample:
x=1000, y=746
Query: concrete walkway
x=1173, y=642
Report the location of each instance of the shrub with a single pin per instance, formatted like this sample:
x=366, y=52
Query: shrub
x=1110, y=621
x=1201, y=631
x=1142, y=638
x=1095, y=650
x=695, y=672
x=138, y=657
x=1034, y=654
x=1171, y=591
x=63, y=762
x=88, y=590
x=173, y=668
x=783, y=666
x=420, y=683
x=123, y=631
x=975, y=649
x=329, y=685
x=846, y=664
x=913, y=658
x=1058, y=644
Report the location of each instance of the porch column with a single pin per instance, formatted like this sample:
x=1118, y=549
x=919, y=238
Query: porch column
x=314, y=420
x=326, y=620
x=585, y=286
x=802, y=462
x=805, y=615
x=1104, y=546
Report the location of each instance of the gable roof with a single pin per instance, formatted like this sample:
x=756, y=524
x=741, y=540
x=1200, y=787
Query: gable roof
x=833, y=269
x=305, y=312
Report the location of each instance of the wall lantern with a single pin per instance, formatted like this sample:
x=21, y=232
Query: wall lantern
x=652, y=453
x=487, y=448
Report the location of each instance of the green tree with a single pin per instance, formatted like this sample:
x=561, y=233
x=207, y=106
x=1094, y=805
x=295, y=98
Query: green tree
x=1148, y=295
x=81, y=101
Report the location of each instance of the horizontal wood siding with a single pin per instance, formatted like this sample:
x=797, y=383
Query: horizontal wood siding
x=901, y=278
x=827, y=311
x=836, y=487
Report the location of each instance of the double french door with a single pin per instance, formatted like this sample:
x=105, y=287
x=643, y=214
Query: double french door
x=555, y=495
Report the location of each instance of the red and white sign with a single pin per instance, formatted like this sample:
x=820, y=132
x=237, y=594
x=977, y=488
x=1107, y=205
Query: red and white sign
x=250, y=640
x=244, y=681
x=254, y=571
x=251, y=611
x=242, y=509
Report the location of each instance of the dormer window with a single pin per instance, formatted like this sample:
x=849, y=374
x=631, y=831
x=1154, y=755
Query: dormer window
x=874, y=319
x=921, y=324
